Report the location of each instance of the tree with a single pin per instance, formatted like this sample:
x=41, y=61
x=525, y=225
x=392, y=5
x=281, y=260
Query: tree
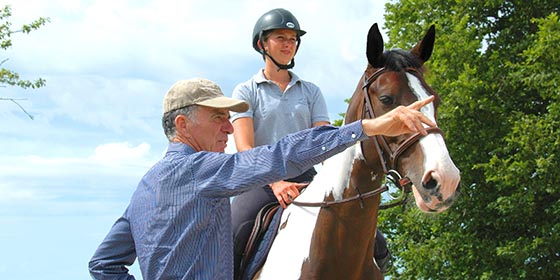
x=496, y=67
x=9, y=77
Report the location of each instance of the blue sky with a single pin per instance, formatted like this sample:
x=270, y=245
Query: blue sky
x=67, y=175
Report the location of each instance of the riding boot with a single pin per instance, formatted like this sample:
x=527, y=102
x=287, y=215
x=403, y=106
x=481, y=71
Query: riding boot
x=382, y=255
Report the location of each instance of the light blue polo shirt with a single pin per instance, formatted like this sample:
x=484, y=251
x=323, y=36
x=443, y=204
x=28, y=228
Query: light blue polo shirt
x=276, y=113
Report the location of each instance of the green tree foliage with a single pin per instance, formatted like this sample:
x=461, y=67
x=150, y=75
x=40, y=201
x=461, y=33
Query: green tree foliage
x=7, y=76
x=496, y=65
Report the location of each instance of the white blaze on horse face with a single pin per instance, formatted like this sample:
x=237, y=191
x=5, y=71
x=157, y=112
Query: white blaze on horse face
x=438, y=165
x=421, y=94
x=298, y=223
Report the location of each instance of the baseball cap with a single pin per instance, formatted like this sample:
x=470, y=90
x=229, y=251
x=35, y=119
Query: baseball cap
x=200, y=91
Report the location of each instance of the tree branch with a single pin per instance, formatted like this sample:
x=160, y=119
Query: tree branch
x=21, y=107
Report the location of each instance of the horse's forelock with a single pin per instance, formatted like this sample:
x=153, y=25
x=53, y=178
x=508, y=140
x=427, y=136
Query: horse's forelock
x=399, y=60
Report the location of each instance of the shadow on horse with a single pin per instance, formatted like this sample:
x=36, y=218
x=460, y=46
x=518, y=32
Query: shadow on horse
x=328, y=231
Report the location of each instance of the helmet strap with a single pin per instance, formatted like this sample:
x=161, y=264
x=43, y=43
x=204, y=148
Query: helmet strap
x=281, y=66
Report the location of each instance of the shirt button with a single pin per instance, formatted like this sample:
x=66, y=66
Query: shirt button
x=324, y=148
x=353, y=135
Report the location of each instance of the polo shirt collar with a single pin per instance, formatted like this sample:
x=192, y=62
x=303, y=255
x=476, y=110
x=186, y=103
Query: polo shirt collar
x=260, y=78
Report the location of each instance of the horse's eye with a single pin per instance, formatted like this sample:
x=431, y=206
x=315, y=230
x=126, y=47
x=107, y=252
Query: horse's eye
x=386, y=100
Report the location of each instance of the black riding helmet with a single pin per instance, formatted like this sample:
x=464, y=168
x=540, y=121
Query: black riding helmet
x=276, y=19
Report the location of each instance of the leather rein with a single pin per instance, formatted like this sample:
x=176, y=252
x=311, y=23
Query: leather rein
x=387, y=157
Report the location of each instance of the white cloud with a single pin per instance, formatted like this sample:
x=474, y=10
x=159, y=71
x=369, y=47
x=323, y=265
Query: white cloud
x=110, y=154
x=115, y=154
x=10, y=194
x=109, y=169
x=117, y=104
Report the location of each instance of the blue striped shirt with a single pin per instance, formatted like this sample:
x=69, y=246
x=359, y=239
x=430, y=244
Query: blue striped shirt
x=178, y=222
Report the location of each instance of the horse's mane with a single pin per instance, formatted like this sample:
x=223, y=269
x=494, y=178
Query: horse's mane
x=399, y=60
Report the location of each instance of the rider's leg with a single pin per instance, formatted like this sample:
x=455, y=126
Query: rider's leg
x=244, y=209
x=382, y=254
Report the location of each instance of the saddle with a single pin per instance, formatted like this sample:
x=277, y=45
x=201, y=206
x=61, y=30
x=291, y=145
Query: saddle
x=260, y=240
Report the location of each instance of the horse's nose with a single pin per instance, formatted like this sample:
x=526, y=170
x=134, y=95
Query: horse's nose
x=430, y=184
x=435, y=179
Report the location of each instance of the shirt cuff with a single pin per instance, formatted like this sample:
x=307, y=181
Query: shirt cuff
x=353, y=131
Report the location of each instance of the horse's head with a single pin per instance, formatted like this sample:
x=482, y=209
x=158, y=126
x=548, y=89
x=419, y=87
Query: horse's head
x=394, y=78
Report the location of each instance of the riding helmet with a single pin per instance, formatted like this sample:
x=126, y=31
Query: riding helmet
x=275, y=19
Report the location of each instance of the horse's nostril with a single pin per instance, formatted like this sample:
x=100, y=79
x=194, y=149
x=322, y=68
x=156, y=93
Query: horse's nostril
x=430, y=184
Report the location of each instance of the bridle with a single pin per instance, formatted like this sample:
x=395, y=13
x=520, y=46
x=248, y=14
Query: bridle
x=387, y=157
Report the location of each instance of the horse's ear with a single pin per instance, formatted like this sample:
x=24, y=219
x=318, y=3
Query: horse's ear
x=374, y=50
x=423, y=50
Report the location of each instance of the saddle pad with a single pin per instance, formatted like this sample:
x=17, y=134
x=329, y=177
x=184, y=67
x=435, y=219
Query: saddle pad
x=261, y=252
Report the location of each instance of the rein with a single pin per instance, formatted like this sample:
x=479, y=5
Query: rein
x=393, y=177
x=334, y=202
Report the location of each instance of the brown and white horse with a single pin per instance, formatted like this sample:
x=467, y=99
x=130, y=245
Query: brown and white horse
x=335, y=239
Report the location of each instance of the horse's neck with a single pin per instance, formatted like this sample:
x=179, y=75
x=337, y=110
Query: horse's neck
x=333, y=176
x=308, y=238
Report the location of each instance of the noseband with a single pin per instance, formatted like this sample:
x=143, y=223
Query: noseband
x=388, y=157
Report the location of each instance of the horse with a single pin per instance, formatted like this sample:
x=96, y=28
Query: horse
x=328, y=232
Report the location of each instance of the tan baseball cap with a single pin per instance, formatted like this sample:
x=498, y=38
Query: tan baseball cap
x=200, y=91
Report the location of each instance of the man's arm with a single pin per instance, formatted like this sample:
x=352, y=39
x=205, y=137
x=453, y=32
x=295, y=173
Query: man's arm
x=114, y=254
x=223, y=175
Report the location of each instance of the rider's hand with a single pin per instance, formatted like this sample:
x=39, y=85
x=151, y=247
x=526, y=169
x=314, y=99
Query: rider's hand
x=286, y=192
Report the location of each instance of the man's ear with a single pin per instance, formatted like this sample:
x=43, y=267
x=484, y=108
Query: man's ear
x=181, y=122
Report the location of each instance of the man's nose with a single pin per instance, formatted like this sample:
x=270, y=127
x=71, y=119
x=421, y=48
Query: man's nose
x=228, y=127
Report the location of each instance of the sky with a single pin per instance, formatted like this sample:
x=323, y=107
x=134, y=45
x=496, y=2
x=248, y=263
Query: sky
x=67, y=174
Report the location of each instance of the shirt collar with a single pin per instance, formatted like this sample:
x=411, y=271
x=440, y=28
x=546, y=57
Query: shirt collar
x=180, y=148
x=260, y=78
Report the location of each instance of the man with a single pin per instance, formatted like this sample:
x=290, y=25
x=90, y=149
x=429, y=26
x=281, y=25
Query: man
x=178, y=222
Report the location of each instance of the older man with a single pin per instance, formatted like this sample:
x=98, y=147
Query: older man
x=178, y=222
